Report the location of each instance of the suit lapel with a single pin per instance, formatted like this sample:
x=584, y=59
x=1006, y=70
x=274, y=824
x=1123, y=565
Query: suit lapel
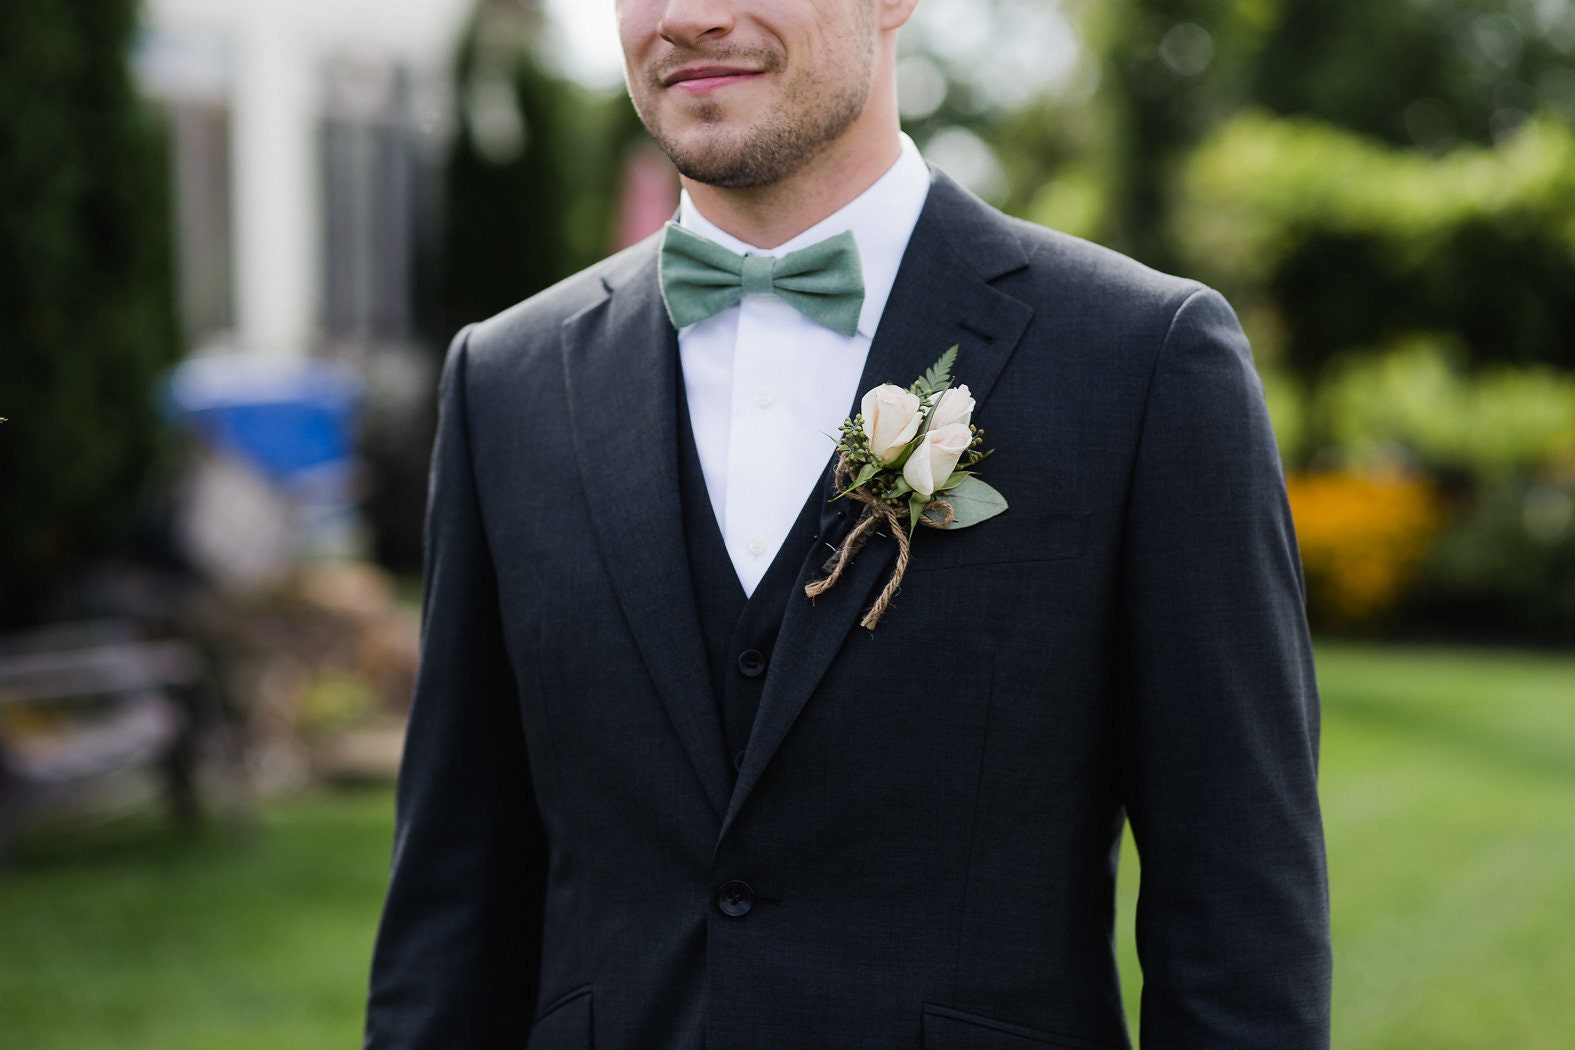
x=620, y=364
x=942, y=295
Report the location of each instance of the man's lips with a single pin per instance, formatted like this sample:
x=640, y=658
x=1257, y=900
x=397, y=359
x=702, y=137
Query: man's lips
x=692, y=78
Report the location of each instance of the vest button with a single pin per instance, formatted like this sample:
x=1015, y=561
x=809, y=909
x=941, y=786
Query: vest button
x=752, y=662
x=735, y=899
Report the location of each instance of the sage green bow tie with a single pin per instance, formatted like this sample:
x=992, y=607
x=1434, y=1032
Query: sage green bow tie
x=700, y=278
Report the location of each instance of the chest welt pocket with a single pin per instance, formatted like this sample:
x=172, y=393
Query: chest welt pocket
x=1027, y=537
x=565, y=1023
x=948, y=1029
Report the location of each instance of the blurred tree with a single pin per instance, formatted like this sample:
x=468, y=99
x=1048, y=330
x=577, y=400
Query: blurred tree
x=530, y=175
x=1422, y=73
x=529, y=195
x=1171, y=71
x=86, y=290
x=1353, y=244
x=1418, y=72
x=994, y=92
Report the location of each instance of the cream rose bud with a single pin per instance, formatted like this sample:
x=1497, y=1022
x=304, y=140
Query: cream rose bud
x=891, y=418
x=936, y=457
x=955, y=406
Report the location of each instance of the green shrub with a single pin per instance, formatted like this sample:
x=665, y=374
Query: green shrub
x=1288, y=411
x=1417, y=398
x=86, y=293
x=1506, y=566
x=1354, y=244
x=1495, y=558
x=530, y=182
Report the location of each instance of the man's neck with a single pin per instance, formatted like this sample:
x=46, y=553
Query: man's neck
x=768, y=216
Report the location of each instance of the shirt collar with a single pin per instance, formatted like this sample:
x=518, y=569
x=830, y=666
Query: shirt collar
x=882, y=219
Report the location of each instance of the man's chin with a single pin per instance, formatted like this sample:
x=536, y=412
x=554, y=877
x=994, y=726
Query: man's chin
x=721, y=161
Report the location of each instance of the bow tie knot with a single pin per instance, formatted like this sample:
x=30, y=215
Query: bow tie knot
x=700, y=278
x=757, y=275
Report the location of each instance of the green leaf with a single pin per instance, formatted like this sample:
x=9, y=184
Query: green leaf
x=865, y=474
x=916, y=503
x=939, y=375
x=907, y=452
x=957, y=478
x=972, y=502
x=929, y=417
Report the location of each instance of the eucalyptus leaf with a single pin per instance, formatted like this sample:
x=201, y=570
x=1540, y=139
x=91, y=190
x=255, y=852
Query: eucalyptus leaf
x=973, y=501
x=957, y=478
x=869, y=471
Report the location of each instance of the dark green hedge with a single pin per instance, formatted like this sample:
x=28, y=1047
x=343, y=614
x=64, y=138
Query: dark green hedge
x=531, y=180
x=86, y=303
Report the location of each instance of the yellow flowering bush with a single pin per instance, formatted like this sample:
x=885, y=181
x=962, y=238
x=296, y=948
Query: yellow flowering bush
x=1363, y=541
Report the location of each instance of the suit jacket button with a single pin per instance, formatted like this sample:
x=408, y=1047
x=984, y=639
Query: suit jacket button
x=752, y=662
x=735, y=899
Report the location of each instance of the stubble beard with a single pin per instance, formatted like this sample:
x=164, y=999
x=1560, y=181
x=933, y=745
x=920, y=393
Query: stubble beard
x=800, y=127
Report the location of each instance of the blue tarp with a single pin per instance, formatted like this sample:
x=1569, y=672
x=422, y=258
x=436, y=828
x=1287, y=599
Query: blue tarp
x=289, y=419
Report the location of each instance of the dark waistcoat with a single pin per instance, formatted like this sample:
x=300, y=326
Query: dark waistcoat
x=739, y=632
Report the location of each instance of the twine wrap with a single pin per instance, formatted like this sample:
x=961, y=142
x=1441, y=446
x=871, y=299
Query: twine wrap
x=876, y=513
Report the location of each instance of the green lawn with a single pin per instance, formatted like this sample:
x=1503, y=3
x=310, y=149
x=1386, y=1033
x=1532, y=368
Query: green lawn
x=1448, y=785
x=1449, y=794
x=140, y=939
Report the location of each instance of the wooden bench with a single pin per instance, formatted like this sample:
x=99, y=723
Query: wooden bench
x=82, y=704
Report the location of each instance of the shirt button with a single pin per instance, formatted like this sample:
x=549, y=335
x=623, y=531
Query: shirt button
x=757, y=546
x=752, y=662
x=735, y=899
x=764, y=398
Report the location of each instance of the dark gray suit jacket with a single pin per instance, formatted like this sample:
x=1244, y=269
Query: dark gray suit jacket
x=925, y=827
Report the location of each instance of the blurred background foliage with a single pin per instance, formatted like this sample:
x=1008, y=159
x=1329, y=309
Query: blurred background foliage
x=1386, y=192
x=530, y=172
x=87, y=299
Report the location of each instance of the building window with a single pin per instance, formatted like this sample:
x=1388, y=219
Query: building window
x=376, y=182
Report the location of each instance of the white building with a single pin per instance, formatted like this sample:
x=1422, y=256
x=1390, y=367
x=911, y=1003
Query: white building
x=303, y=131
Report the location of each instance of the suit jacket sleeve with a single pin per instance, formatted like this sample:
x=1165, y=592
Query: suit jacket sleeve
x=1232, y=919
x=459, y=945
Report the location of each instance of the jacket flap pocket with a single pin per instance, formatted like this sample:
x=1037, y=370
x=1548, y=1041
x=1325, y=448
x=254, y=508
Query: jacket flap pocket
x=1006, y=539
x=565, y=1023
x=948, y=1029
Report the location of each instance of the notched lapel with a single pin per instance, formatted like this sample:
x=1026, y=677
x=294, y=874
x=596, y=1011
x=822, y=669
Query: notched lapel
x=620, y=362
x=942, y=296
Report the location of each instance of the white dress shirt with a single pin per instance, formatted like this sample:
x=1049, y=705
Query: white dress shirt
x=768, y=388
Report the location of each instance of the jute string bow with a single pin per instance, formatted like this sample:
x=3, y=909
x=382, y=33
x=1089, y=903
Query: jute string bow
x=877, y=512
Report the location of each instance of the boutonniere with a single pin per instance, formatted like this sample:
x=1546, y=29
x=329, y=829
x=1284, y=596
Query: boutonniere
x=908, y=458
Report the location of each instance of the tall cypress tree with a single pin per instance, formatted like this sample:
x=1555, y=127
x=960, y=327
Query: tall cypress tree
x=86, y=299
x=526, y=154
